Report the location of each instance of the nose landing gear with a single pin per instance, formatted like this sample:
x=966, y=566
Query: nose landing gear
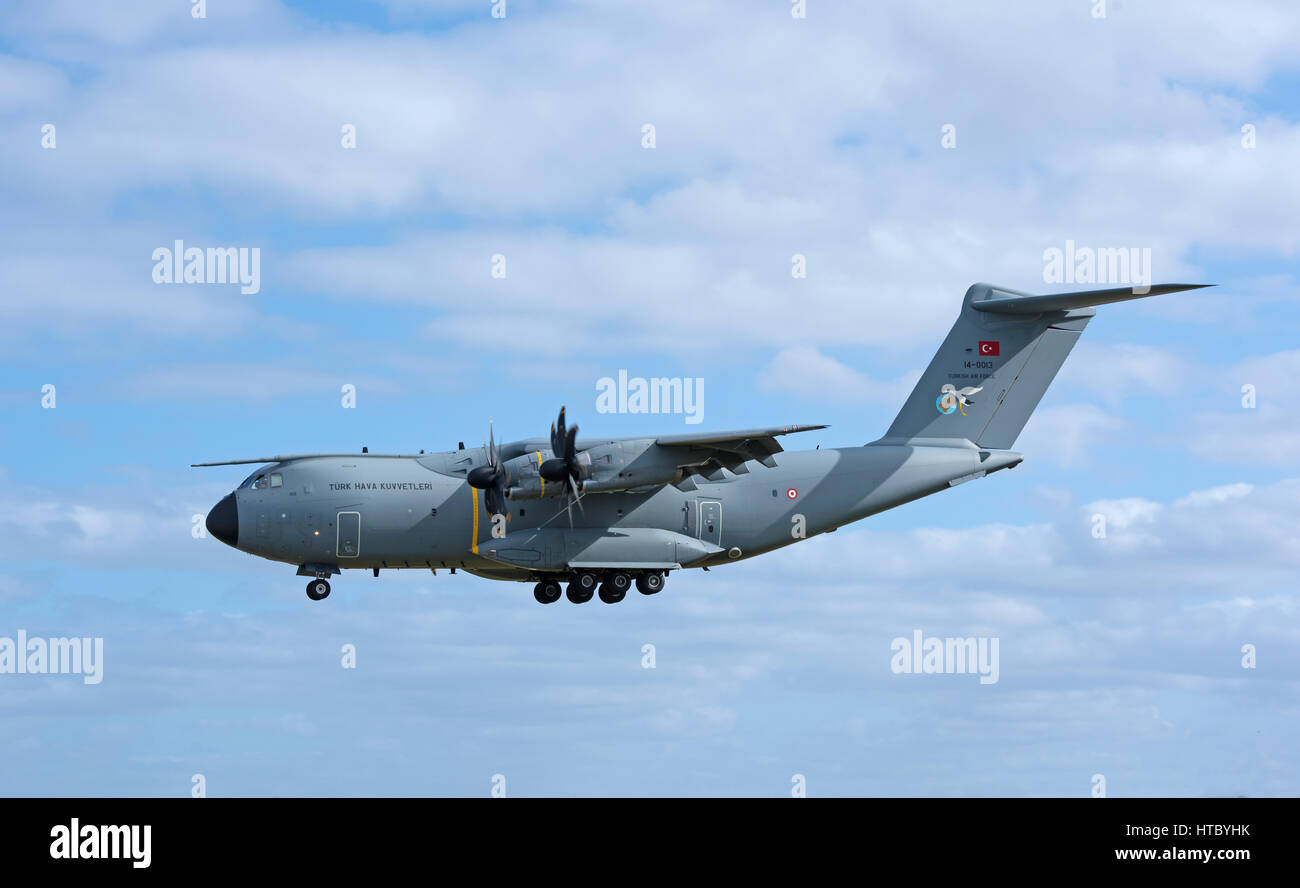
x=318, y=590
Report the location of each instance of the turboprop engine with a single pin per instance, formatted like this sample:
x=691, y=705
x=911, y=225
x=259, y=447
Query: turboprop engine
x=602, y=468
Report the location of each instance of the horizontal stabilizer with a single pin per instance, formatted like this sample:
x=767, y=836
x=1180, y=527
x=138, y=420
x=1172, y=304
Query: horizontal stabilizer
x=1005, y=301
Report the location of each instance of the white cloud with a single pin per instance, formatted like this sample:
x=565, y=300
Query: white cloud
x=255, y=382
x=806, y=372
x=1067, y=435
x=1268, y=432
x=1215, y=495
x=1112, y=371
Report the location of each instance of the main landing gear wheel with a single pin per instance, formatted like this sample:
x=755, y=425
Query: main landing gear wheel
x=586, y=582
x=547, y=592
x=649, y=584
x=577, y=594
x=318, y=589
x=615, y=587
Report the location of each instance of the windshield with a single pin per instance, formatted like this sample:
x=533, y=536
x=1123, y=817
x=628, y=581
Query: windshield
x=262, y=479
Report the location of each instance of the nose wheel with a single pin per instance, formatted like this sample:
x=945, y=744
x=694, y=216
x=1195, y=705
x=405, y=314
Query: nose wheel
x=318, y=590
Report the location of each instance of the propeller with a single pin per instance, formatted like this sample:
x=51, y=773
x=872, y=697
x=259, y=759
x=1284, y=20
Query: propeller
x=490, y=478
x=564, y=465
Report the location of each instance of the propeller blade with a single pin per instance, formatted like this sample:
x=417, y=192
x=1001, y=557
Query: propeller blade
x=496, y=501
x=557, y=435
x=490, y=477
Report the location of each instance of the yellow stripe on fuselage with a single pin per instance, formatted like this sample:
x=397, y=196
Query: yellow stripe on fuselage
x=539, y=472
x=473, y=544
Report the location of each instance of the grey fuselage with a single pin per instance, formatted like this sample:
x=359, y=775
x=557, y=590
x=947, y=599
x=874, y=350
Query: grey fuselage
x=418, y=511
x=651, y=505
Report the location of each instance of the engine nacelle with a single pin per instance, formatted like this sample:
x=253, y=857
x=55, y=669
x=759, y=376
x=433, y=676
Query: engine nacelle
x=623, y=465
x=618, y=465
x=524, y=480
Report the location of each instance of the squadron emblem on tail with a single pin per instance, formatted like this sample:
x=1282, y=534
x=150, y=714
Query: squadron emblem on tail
x=951, y=398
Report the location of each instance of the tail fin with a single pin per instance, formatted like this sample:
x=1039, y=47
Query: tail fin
x=1000, y=356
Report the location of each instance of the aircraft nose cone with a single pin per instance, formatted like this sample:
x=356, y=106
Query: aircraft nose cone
x=223, y=520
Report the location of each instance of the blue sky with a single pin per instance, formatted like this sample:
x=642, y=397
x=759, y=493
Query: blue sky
x=522, y=136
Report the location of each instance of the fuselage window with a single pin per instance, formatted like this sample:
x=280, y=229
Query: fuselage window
x=260, y=483
x=277, y=480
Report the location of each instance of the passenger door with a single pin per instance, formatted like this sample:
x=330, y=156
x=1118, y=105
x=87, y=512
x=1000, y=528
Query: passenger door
x=349, y=534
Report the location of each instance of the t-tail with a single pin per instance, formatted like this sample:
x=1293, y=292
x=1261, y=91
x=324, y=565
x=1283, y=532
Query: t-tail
x=1000, y=356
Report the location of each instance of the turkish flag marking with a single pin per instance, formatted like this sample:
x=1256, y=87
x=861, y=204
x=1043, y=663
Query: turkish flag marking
x=990, y=349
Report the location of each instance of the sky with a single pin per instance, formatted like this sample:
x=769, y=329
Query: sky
x=902, y=151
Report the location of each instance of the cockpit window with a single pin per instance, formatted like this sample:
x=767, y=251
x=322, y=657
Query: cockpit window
x=262, y=480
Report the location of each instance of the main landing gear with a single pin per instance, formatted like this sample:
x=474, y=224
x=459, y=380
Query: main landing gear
x=318, y=589
x=547, y=591
x=612, y=586
x=615, y=587
x=649, y=584
x=581, y=588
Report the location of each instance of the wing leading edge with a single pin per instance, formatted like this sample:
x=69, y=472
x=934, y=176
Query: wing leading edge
x=734, y=447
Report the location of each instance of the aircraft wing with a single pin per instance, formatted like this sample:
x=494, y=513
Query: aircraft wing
x=733, y=448
x=289, y=457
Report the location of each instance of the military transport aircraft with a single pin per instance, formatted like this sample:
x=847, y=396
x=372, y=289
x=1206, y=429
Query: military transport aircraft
x=600, y=514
